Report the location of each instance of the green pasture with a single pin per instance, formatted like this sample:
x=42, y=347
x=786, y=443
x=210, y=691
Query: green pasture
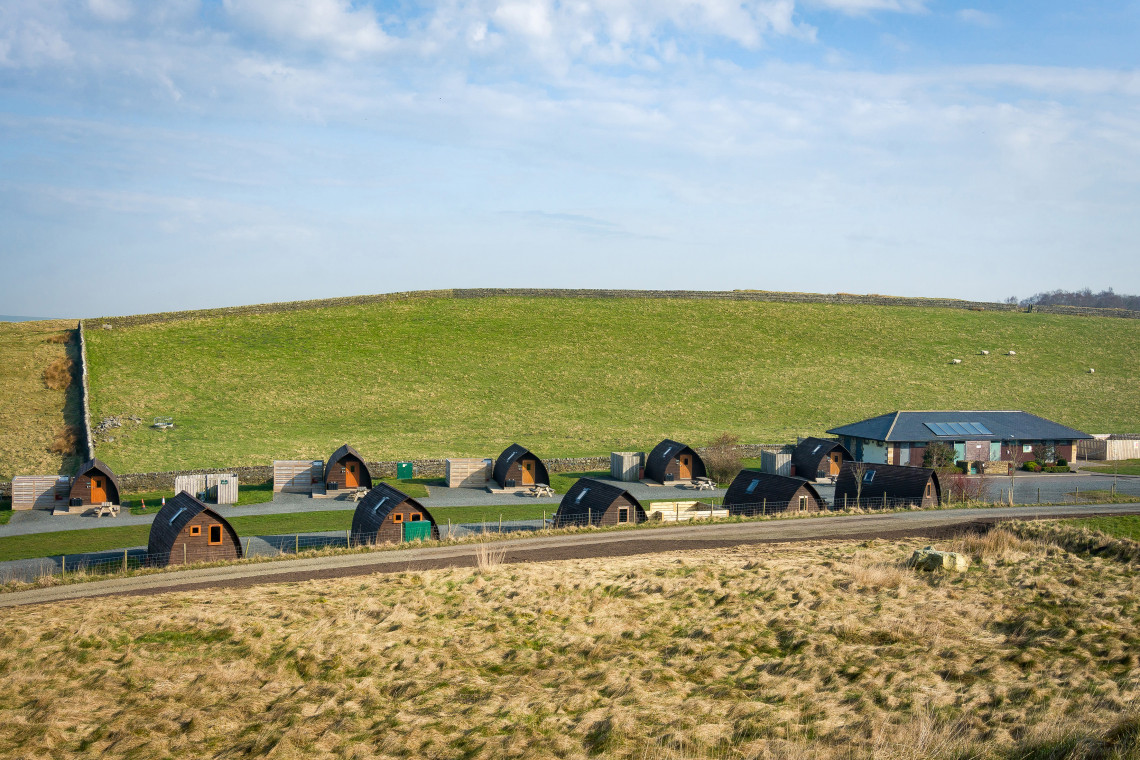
x=571, y=377
x=1122, y=467
x=1119, y=526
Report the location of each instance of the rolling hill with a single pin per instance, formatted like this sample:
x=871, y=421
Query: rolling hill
x=442, y=376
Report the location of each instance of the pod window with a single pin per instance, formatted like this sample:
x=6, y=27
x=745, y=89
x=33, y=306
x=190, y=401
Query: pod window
x=215, y=535
x=398, y=517
x=195, y=530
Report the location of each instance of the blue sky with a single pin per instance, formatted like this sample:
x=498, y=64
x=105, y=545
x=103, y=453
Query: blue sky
x=192, y=153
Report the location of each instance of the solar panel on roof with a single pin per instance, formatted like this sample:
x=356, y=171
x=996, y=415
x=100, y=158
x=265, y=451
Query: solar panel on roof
x=581, y=495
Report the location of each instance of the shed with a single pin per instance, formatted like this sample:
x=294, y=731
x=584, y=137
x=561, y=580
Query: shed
x=186, y=530
x=817, y=458
x=593, y=502
x=467, y=473
x=40, y=491
x=896, y=484
x=388, y=515
x=776, y=462
x=94, y=484
x=346, y=469
x=761, y=493
x=673, y=461
x=517, y=466
x=627, y=466
x=219, y=488
x=297, y=475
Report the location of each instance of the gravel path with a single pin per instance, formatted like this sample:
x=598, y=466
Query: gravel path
x=579, y=545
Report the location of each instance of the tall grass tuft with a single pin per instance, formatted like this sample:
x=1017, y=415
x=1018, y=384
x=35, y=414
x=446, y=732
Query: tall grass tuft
x=488, y=557
x=59, y=373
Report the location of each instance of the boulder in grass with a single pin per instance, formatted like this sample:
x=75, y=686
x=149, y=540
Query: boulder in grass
x=931, y=559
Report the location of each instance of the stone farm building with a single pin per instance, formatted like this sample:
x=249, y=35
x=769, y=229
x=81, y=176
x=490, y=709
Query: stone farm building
x=187, y=530
x=902, y=437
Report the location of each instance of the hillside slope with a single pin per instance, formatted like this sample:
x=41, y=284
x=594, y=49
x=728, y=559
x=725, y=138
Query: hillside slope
x=32, y=414
x=439, y=376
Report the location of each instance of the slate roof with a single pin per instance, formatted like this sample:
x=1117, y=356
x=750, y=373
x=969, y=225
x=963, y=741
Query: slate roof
x=510, y=455
x=663, y=453
x=1002, y=426
x=340, y=454
x=172, y=518
x=806, y=456
x=754, y=487
x=589, y=495
x=896, y=481
x=377, y=504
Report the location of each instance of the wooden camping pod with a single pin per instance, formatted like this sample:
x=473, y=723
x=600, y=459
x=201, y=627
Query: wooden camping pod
x=518, y=466
x=756, y=493
x=388, y=515
x=94, y=484
x=673, y=461
x=187, y=530
x=597, y=503
x=347, y=469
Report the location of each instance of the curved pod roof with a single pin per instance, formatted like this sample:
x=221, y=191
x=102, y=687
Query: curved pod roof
x=375, y=507
x=591, y=498
x=892, y=480
x=754, y=487
x=347, y=451
x=806, y=456
x=172, y=518
x=97, y=466
x=665, y=452
x=512, y=454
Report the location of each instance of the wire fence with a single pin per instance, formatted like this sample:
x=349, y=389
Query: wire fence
x=253, y=547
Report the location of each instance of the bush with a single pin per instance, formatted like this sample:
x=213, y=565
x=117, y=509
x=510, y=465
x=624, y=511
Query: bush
x=722, y=458
x=1062, y=462
x=1057, y=468
x=1031, y=467
x=938, y=456
x=58, y=374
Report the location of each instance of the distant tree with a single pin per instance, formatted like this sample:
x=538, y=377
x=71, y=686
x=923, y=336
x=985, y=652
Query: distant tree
x=1106, y=299
x=1012, y=300
x=858, y=469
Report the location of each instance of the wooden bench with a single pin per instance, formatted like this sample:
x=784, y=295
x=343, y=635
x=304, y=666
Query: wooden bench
x=107, y=509
x=540, y=490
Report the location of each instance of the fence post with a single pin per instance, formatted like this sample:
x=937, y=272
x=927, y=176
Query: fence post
x=764, y=507
x=884, y=499
x=1038, y=494
x=590, y=517
x=500, y=523
x=124, y=560
x=543, y=520
x=449, y=536
x=297, y=544
x=63, y=565
x=183, y=552
x=676, y=511
x=245, y=550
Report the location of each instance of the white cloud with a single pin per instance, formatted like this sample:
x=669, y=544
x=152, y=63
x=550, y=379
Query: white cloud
x=111, y=10
x=861, y=7
x=334, y=25
x=977, y=17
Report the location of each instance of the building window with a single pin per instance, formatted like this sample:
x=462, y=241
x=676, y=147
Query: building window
x=868, y=476
x=803, y=504
x=416, y=517
x=398, y=517
x=215, y=535
x=1027, y=448
x=928, y=487
x=623, y=514
x=195, y=530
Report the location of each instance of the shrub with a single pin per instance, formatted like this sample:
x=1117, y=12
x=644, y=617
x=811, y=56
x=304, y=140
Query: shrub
x=1031, y=467
x=1057, y=468
x=958, y=486
x=1062, y=462
x=723, y=459
x=938, y=455
x=57, y=376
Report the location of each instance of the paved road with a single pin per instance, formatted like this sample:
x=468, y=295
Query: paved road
x=546, y=548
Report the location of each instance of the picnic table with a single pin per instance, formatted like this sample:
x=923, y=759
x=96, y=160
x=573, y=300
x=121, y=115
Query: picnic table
x=703, y=484
x=107, y=510
x=540, y=490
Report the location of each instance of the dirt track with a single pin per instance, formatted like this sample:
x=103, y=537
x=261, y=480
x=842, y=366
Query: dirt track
x=932, y=524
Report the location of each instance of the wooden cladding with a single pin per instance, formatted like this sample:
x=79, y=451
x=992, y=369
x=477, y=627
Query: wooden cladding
x=40, y=491
x=468, y=473
x=296, y=475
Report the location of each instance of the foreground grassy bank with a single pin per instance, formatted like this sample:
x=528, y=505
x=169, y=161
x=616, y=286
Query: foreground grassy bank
x=444, y=377
x=830, y=650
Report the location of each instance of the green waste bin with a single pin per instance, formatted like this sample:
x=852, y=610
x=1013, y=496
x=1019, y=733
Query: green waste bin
x=403, y=470
x=417, y=529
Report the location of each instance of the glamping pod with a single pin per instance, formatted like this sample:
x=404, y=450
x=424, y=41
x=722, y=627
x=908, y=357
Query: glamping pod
x=94, y=484
x=889, y=484
x=673, y=461
x=346, y=469
x=187, y=530
x=388, y=515
x=756, y=493
x=593, y=502
x=516, y=466
x=816, y=458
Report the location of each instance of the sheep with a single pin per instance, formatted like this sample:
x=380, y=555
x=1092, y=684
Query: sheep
x=985, y=352
x=955, y=361
x=1011, y=353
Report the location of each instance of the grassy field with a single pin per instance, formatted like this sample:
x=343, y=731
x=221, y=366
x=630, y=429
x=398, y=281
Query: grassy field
x=447, y=377
x=1123, y=467
x=1121, y=526
x=31, y=413
x=827, y=650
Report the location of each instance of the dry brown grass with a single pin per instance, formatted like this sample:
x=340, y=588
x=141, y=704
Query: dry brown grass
x=828, y=650
x=59, y=374
x=64, y=337
x=488, y=557
x=66, y=441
